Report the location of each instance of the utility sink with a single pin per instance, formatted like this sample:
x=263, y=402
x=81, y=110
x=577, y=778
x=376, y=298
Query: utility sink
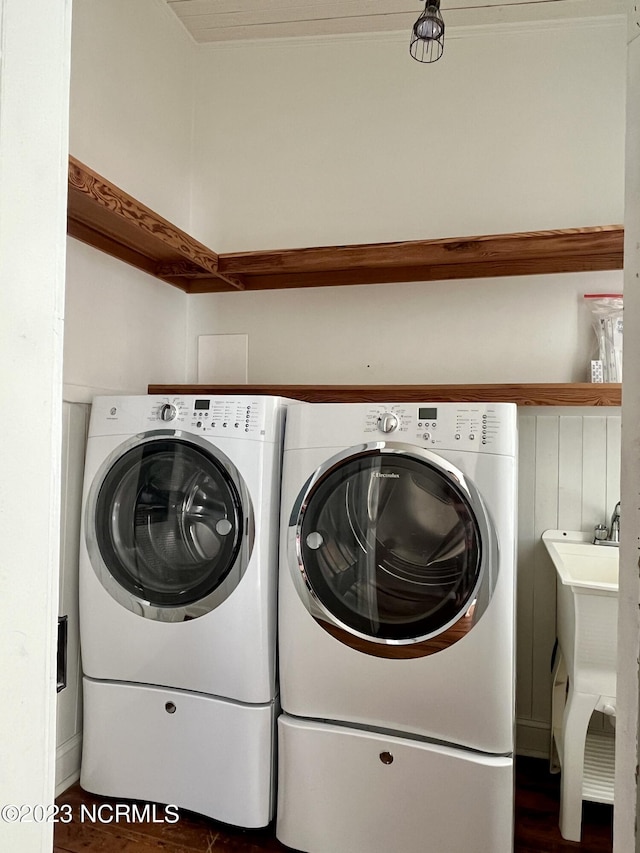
x=587, y=608
x=580, y=563
x=584, y=678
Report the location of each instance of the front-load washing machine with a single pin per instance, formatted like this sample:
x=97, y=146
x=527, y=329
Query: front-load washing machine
x=396, y=628
x=178, y=576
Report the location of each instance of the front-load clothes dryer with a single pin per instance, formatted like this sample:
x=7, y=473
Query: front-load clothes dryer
x=396, y=628
x=178, y=575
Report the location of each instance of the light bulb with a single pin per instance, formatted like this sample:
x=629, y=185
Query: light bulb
x=429, y=29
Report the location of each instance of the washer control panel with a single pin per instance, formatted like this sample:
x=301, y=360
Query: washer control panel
x=487, y=427
x=239, y=417
x=258, y=418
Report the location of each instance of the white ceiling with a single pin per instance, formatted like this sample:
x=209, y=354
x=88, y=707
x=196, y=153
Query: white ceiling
x=236, y=20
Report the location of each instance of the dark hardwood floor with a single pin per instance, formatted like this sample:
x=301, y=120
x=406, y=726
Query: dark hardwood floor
x=536, y=820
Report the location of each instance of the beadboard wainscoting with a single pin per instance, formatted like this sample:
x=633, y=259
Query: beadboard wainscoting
x=568, y=478
x=69, y=714
x=569, y=463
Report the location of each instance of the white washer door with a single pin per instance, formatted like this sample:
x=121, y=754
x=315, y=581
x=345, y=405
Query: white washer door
x=169, y=526
x=392, y=545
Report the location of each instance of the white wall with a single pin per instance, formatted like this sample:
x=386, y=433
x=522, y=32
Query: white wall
x=131, y=100
x=323, y=142
x=34, y=70
x=533, y=329
x=131, y=120
x=123, y=328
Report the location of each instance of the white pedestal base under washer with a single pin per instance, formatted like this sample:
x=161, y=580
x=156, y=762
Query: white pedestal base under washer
x=178, y=570
x=396, y=627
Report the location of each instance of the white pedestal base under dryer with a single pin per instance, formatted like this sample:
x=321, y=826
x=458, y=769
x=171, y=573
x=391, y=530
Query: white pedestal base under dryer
x=396, y=621
x=346, y=790
x=197, y=752
x=178, y=576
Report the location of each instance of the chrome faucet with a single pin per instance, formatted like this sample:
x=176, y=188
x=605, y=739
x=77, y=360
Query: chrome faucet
x=611, y=535
x=614, y=528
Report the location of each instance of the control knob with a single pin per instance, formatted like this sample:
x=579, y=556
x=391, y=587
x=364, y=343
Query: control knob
x=168, y=412
x=387, y=422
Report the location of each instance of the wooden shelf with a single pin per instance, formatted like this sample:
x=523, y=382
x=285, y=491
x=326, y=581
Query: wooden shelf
x=107, y=218
x=555, y=394
x=527, y=253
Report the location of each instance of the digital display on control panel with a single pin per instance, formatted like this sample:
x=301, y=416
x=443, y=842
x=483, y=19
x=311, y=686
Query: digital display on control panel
x=427, y=414
x=201, y=404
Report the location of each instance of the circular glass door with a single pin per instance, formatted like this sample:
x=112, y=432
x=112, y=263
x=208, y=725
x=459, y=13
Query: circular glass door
x=166, y=528
x=390, y=544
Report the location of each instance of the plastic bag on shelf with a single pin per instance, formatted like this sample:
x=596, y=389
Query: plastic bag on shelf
x=606, y=317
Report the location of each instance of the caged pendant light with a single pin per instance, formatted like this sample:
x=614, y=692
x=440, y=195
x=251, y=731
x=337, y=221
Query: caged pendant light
x=427, y=35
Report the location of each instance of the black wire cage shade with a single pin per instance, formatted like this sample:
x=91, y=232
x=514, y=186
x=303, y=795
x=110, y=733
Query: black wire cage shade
x=427, y=34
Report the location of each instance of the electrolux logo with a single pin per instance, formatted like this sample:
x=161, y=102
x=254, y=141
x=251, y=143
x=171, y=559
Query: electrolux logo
x=386, y=476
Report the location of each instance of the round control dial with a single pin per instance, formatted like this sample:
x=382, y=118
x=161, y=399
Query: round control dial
x=387, y=422
x=168, y=412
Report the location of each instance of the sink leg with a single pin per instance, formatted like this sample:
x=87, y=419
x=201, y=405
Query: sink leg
x=558, y=702
x=577, y=713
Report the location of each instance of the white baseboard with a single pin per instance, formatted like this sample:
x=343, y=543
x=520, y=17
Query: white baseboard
x=68, y=757
x=532, y=739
